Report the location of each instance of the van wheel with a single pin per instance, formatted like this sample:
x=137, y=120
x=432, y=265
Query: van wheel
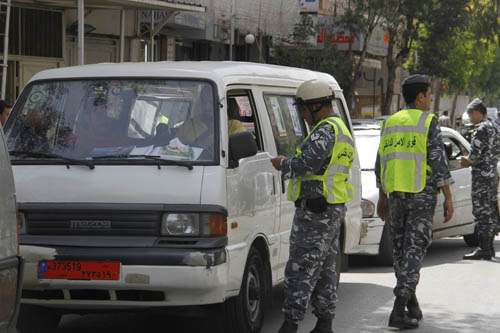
x=245, y=312
x=37, y=319
x=386, y=249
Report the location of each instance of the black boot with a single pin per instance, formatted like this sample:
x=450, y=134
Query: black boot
x=399, y=318
x=483, y=251
x=323, y=325
x=492, y=246
x=288, y=327
x=414, y=310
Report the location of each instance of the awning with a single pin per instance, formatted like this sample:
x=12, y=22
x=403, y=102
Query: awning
x=118, y=4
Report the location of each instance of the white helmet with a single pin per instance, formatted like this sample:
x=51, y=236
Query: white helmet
x=313, y=91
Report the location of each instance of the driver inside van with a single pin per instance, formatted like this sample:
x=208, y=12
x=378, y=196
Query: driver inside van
x=100, y=130
x=234, y=125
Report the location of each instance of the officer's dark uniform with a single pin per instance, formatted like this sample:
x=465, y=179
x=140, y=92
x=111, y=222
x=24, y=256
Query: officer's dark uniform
x=314, y=240
x=411, y=214
x=484, y=184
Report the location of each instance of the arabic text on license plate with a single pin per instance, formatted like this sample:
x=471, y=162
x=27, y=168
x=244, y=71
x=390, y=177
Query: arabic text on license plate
x=78, y=270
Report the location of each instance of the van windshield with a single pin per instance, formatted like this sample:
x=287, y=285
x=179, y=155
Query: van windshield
x=115, y=119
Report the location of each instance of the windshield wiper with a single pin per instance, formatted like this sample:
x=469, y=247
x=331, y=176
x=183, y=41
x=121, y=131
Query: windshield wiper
x=372, y=169
x=161, y=161
x=50, y=155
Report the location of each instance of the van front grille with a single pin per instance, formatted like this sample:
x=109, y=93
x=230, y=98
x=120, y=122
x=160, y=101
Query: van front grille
x=93, y=223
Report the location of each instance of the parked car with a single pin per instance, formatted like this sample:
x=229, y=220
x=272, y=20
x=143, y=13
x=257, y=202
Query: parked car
x=11, y=266
x=143, y=213
x=492, y=113
x=375, y=234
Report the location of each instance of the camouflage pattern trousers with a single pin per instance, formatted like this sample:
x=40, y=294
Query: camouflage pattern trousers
x=410, y=224
x=484, y=205
x=494, y=203
x=310, y=271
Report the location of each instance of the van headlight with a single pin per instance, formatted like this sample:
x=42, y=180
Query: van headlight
x=368, y=208
x=193, y=224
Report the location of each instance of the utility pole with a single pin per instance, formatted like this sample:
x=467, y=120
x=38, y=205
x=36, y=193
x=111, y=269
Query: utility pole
x=81, y=26
x=231, y=22
x=5, y=64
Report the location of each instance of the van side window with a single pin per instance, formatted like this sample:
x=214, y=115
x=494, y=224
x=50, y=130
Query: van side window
x=338, y=109
x=242, y=116
x=288, y=128
x=453, y=151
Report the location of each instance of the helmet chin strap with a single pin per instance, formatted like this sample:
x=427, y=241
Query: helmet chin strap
x=313, y=111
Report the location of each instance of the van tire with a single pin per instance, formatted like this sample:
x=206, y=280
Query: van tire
x=37, y=319
x=385, y=255
x=245, y=313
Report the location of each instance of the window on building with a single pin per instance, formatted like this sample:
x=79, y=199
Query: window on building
x=34, y=32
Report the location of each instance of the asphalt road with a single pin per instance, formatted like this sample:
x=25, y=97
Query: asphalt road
x=455, y=296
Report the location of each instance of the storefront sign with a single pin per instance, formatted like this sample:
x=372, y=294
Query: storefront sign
x=189, y=20
x=309, y=5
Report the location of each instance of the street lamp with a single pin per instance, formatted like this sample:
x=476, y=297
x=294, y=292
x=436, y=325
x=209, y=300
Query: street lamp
x=249, y=39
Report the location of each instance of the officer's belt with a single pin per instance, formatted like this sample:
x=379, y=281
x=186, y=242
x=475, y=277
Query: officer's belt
x=318, y=205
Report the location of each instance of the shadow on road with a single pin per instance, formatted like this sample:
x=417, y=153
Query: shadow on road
x=441, y=251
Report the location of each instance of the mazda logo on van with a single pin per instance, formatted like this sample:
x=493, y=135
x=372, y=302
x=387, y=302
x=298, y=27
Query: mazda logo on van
x=90, y=224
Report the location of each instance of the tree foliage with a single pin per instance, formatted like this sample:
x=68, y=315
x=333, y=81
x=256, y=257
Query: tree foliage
x=303, y=54
x=452, y=40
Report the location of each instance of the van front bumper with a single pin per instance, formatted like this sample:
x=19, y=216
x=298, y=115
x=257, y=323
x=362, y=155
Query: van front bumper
x=370, y=234
x=149, y=277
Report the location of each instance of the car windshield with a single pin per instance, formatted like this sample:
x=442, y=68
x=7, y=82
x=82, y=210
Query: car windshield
x=367, y=146
x=110, y=119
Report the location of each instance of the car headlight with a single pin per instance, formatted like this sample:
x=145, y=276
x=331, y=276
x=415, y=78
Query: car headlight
x=193, y=224
x=368, y=208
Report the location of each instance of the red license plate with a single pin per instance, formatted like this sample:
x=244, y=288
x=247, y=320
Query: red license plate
x=78, y=270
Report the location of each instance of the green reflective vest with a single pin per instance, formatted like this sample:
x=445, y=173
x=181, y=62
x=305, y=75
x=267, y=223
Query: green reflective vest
x=403, y=151
x=336, y=189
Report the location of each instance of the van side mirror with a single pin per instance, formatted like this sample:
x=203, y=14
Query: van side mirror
x=241, y=145
x=448, y=150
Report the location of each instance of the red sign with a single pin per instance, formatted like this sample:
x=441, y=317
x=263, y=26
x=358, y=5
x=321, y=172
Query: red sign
x=338, y=38
x=78, y=270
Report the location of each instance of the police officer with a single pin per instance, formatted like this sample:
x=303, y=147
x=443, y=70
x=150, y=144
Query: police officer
x=411, y=166
x=318, y=185
x=484, y=179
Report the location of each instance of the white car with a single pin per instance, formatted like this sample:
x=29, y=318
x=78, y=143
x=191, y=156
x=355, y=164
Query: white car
x=11, y=264
x=375, y=238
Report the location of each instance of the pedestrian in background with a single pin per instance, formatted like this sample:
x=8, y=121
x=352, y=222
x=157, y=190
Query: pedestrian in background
x=484, y=179
x=318, y=185
x=444, y=119
x=411, y=166
x=4, y=111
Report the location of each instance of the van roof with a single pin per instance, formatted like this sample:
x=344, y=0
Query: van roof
x=222, y=72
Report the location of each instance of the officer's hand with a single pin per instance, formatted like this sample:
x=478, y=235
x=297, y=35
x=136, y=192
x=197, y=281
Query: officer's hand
x=464, y=162
x=382, y=206
x=276, y=161
x=448, y=209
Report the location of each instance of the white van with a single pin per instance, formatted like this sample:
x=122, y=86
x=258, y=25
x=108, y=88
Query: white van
x=134, y=195
x=11, y=267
